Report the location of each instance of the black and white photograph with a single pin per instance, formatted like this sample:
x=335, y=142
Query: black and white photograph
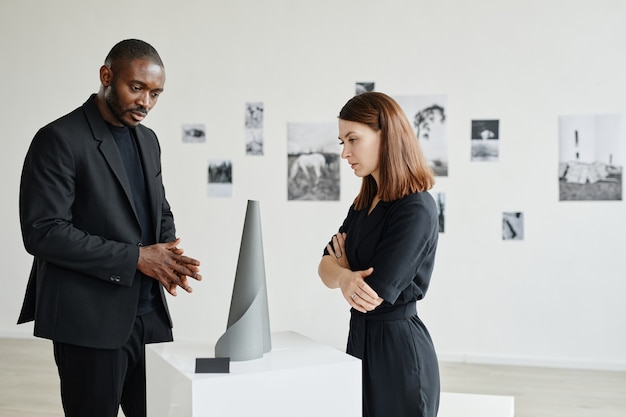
x=194, y=133
x=220, y=178
x=512, y=225
x=591, y=157
x=440, y=199
x=254, y=128
x=485, y=140
x=364, y=87
x=427, y=115
x=313, y=162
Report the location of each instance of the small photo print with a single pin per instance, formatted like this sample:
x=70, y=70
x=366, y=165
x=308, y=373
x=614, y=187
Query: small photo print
x=485, y=140
x=194, y=133
x=220, y=178
x=440, y=199
x=512, y=226
x=254, y=128
x=363, y=87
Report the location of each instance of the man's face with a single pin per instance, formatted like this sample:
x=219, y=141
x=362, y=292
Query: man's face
x=133, y=91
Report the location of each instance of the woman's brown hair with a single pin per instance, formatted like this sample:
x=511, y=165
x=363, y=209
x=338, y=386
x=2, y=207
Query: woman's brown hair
x=403, y=167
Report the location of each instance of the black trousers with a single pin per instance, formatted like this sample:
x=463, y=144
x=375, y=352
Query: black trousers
x=399, y=363
x=95, y=382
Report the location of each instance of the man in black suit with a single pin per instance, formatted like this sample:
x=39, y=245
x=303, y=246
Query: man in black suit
x=94, y=215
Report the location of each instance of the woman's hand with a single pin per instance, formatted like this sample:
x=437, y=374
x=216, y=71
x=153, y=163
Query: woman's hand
x=338, y=250
x=355, y=290
x=357, y=293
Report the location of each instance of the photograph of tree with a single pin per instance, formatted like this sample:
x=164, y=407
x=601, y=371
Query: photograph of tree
x=313, y=161
x=591, y=157
x=427, y=115
x=220, y=178
x=485, y=140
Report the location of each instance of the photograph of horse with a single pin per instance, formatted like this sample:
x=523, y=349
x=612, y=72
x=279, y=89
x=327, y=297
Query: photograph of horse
x=313, y=161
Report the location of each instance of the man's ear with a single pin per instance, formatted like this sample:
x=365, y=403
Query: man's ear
x=106, y=75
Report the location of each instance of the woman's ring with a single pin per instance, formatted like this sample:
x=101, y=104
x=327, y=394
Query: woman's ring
x=353, y=296
x=338, y=256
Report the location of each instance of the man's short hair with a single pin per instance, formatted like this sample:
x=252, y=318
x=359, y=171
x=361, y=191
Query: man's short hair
x=130, y=49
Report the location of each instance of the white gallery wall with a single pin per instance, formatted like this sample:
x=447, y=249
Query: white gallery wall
x=555, y=298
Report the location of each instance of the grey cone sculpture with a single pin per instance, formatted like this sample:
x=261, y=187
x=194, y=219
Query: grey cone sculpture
x=247, y=333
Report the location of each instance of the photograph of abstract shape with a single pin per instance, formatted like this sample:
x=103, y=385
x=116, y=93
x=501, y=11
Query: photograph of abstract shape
x=254, y=128
x=220, y=178
x=485, y=140
x=427, y=115
x=513, y=226
x=313, y=161
x=194, y=133
x=591, y=157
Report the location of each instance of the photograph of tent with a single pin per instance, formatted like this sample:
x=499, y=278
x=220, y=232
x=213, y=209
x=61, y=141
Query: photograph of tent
x=590, y=157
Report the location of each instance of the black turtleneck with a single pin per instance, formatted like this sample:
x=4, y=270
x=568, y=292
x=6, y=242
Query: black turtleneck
x=127, y=144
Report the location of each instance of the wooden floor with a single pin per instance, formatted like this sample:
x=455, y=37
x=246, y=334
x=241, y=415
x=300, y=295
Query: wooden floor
x=29, y=385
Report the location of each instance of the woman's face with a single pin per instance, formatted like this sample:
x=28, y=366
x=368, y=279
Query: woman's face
x=361, y=148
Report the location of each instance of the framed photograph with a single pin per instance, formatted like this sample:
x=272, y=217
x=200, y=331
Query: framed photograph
x=485, y=140
x=194, y=133
x=513, y=226
x=427, y=115
x=313, y=161
x=220, y=178
x=591, y=157
x=254, y=128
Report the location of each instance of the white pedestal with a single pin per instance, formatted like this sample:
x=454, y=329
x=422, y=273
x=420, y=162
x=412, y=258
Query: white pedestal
x=298, y=377
x=475, y=405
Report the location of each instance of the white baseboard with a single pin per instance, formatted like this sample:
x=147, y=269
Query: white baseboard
x=23, y=331
x=541, y=362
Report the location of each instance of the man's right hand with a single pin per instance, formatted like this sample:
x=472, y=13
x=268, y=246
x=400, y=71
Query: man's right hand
x=165, y=263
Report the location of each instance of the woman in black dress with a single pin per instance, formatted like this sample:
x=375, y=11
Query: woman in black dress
x=382, y=258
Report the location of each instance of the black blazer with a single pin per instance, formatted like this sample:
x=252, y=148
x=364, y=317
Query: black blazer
x=79, y=222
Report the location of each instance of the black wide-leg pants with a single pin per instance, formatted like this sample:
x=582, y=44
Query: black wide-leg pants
x=399, y=364
x=95, y=382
